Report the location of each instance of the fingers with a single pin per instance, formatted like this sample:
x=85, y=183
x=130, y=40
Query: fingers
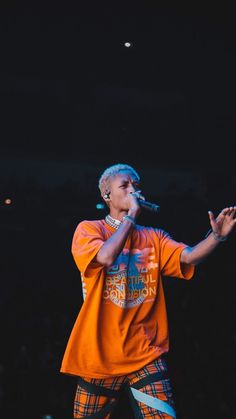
x=232, y=211
x=229, y=211
x=138, y=195
x=211, y=215
x=226, y=212
x=133, y=202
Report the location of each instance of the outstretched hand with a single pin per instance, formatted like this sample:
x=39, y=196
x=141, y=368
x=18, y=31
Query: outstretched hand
x=224, y=223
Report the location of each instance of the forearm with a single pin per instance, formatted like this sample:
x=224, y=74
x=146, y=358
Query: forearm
x=196, y=254
x=114, y=245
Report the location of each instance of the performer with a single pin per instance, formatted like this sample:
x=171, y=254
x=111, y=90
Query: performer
x=120, y=337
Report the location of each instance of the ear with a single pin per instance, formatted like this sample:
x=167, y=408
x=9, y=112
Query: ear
x=106, y=195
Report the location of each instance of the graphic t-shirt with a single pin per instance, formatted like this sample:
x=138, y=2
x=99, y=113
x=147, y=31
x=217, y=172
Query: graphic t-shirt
x=122, y=324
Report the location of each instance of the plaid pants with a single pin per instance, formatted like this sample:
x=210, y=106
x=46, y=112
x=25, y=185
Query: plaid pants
x=87, y=402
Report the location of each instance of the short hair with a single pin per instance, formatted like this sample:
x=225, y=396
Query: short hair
x=111, y=172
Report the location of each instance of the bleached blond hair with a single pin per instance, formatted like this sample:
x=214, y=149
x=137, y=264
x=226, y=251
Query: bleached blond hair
x=110, y=173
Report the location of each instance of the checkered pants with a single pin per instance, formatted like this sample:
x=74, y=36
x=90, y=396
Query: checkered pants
x=87, y=403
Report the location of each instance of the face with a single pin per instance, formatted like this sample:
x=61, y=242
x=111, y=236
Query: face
x=120, y=186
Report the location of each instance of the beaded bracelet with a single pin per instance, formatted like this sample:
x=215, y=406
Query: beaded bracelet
x=129, y=218
x=216, y=236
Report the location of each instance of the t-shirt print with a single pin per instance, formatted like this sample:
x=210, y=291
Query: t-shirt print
x=129, y=281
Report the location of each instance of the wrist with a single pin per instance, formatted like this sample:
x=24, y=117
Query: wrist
x=218, y=237
x=129, y=218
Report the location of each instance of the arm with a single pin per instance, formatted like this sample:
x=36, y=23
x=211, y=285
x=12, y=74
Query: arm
x=114, y=245
x=221, y=228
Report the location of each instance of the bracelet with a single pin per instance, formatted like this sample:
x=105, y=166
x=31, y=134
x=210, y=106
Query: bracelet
x=218, y=237
x=129, y=218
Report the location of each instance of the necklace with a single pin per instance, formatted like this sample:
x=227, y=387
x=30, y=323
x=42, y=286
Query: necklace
x=112, y=222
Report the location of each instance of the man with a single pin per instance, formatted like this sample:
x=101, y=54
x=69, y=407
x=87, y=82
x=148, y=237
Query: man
x=120, y=337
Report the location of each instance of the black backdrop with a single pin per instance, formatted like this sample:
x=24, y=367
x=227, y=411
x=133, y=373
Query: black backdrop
x=74, y=100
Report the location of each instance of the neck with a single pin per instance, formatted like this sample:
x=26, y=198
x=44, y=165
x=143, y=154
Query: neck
x=117, y=215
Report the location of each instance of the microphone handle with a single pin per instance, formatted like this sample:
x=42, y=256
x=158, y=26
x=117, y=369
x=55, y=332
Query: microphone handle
x=149, y=206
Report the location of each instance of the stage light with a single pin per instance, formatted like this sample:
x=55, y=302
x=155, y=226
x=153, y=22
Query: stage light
x=127, y=44
x=100, y=206
x=7, y=201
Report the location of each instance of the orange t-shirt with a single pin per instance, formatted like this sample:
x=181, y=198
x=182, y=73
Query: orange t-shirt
x=122, y=324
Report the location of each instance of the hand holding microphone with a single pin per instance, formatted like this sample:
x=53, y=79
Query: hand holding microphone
x=145, y=204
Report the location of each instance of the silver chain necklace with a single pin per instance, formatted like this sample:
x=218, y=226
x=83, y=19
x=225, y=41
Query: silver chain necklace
x=113, y=222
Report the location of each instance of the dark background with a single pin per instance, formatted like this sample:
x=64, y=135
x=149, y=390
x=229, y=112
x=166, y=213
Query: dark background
x=74, y=100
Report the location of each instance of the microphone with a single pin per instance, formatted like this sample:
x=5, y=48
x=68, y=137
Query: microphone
x=144, y=204
x=148, y=205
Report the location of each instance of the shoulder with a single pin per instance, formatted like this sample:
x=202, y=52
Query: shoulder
x=89, y=225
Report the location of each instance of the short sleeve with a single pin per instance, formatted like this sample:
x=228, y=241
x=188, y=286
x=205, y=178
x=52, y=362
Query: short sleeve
x=86, y=243
x=170, y=251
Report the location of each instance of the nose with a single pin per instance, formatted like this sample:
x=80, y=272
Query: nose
x=133, y=188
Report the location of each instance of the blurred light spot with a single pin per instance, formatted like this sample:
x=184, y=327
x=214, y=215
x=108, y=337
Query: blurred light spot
x=7, y=201
x=100, y=206
x=127, y=44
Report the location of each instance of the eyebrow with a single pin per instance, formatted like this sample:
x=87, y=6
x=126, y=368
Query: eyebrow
x=125, y=181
